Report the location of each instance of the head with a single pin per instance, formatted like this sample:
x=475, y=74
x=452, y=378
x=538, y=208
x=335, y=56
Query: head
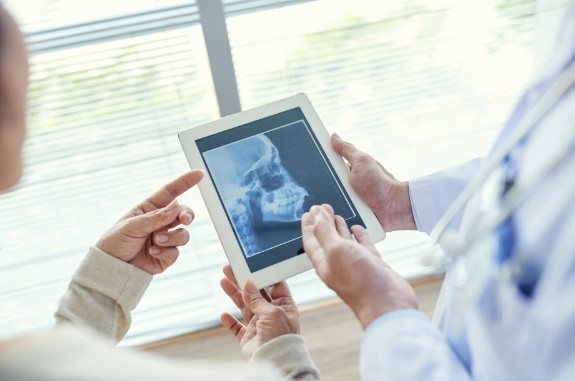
x=13, y=89
x=269, y=190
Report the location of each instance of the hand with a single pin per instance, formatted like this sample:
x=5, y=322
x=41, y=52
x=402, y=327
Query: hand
x=266, y=315
x=143, y=237
x=353, y=268
x=383, y=193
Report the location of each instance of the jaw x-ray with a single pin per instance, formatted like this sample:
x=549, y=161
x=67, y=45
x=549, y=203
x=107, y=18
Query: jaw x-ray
x=266, y=180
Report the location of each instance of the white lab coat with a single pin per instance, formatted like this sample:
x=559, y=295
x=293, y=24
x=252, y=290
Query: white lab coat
x=486, y=328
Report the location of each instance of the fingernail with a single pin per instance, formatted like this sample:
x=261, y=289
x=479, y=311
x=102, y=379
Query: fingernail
x=154, y=250
x=161, y=238
x=336, y=135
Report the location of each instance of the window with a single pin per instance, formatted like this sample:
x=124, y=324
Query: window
x=108, y=98
x=114, y=81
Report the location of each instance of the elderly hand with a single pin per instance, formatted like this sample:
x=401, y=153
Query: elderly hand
x=352, y=267
x=144, y=237
x=383, y=193
x=266, y=315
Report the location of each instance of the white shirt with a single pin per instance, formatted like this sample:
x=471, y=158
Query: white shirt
x=489, y=329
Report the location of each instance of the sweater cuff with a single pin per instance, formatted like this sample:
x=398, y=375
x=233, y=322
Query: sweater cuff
x=289, y=354
x=113, y=277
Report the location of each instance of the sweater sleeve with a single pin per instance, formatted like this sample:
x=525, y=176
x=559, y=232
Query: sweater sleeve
x=102, y=293
x=69, y=353
x=289, y=354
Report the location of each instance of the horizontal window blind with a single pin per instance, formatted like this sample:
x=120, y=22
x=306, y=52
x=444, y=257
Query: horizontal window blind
x=238, y=7
x=47, y=15
x=419, y=84
x=114, y=28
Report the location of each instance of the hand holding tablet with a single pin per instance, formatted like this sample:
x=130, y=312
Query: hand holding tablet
x=265, y=167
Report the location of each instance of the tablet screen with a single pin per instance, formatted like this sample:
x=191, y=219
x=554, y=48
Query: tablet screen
x=267, y=173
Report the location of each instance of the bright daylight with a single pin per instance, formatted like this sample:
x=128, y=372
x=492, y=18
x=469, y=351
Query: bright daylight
x=128, y=251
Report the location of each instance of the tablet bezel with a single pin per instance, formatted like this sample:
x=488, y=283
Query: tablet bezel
x=232, y=248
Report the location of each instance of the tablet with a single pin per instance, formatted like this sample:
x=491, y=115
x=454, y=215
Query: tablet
x=264, y=168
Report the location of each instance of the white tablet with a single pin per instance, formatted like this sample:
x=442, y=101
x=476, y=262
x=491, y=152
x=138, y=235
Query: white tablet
x=264, y=168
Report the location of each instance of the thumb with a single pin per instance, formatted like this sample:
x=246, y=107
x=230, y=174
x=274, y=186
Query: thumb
x=254, y=300
x=343, y=148
x=148, y=223
x=324, y=228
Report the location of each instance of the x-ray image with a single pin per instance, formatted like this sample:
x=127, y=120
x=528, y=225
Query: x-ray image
x=257, y=190
x=268, y=180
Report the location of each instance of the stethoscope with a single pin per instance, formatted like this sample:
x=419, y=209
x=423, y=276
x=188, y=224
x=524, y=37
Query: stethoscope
x=451, y=245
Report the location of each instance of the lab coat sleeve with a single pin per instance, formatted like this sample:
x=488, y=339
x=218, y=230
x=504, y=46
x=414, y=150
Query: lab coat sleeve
x=405, y=346
x=432, y=195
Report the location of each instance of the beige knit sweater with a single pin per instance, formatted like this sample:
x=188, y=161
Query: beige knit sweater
x=95, y=313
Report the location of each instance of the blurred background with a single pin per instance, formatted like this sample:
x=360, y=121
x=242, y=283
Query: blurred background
x=419, y=84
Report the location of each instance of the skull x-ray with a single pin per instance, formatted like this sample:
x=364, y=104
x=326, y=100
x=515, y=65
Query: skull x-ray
x=266, y=177
x=256, y=189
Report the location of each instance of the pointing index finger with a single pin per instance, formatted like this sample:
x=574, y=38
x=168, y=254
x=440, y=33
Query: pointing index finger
x=174, y=188
x=325, y=229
